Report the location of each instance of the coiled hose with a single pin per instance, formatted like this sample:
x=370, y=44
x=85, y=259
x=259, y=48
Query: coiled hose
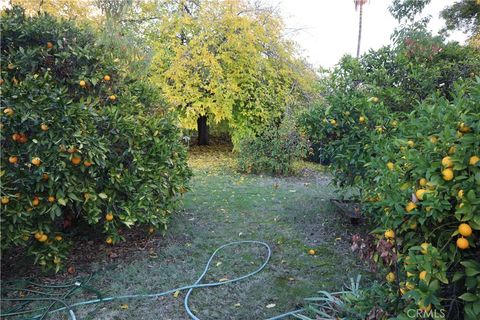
x=46, y=311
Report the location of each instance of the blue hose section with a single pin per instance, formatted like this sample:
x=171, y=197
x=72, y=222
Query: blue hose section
x=195, y=285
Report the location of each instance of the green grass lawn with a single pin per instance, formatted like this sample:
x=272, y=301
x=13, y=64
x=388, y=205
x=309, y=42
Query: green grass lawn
x=291, y=214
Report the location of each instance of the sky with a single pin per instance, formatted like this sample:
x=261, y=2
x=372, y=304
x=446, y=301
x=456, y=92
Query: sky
x=329, y=28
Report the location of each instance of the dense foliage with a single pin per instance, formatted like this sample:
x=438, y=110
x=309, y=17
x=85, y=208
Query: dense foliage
x=273, y=151
x=82, y=142
x=402, y=128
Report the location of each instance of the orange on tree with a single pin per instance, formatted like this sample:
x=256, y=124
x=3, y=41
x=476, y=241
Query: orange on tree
x=389, y=234
x=410, y=206
x=36, y=161
x=420, y=193
x=8, y=111
x=447, y=174
x=45, y=176
x=361, y=119
x=423, y=182
x=16, y=137
x=109, y=216
x=76, y=160
x=473, y=160
x=424, y=247
x=109, y=240
x=462, y=243
x=23, y=138
x=447, y=162
x=390, y=166
x=390, y=277
x=465, y=230
x=106, y=77
x=422, y=275
x=87, y=163
x=452, y=149
x=2, y=81
x=464, y=128
x=13, y=159
x=411, y=143
x=38, y=235
x=5, y=200
x=35, y=201
x=44, y=127
x=43, y=238
x=58, y=238
x=49, y=45
x=333, y=122
x=112, y=97
x=51, y=199
x=82, y=83
x=433, y=139
x=460, y=194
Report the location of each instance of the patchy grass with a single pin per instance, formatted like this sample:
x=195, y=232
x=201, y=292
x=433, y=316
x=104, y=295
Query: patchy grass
x=291, y=214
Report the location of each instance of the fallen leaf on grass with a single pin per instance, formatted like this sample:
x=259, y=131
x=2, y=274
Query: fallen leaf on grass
x=271, y=305
x=223, y=280
x=175, y=295
x=124, y=306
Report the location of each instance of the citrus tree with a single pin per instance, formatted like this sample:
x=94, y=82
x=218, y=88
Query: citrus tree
x=82, y=142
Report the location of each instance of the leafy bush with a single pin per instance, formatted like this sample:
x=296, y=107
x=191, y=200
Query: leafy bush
x=81, y=141
x=272, y=151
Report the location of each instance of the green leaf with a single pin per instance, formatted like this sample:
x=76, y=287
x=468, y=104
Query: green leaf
x=469, y=297
x=103, y=195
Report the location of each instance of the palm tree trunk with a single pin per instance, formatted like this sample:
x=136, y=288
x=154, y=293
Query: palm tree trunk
x=360, y=30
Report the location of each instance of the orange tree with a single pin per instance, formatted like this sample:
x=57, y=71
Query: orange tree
x=82, y=142
x=383, y=143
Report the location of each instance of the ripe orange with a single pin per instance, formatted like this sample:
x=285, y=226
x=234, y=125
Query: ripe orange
x=460, y=194
x=13, y=159
x=311, y=252
x=44, y=127
x=462, y=243
x=333, y=122
x=87, y=163
x=51, y=199
x=10, y=66
x=389, y=234
x=447, y=162
x=423, y=182
x=2, y=81
x=410, y=206
x=106, y=77
x=109, y=240
x=452, y=149
x=419, y=194
x=390, y=166
x=9, y=112
x=38, y=235
x=361, y=119
x=72, y=150
x=390, y=277
x=411, y=143
x=109, y=216
x=424, y=247
x=473, y=160
x=49, y=45
x=35, y=201
x=36, y=161
x=394, y=124
x=58, y=238
x=76, y=160
x=5, y=200
x=464, y=128
x=45, y=176
x=433, y=139
x=82, y=83
x=16, y=137
x=112, y=97
x=422, y=275
x=465, y=230
x=447, y=174
x=23, y=138
x=43, y=238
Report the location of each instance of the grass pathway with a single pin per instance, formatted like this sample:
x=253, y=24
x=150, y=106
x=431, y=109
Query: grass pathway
x=291, y=214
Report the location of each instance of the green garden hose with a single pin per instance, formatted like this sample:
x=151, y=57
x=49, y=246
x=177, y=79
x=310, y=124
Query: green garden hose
x=77, y=285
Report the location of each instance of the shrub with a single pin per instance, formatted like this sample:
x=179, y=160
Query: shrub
x=81, y=141
x=273, y=150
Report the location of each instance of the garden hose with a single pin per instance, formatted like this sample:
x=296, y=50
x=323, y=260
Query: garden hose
x=79, y=285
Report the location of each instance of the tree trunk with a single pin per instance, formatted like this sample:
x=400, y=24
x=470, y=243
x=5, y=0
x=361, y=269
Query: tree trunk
x=359, y=30
x=202, y=130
